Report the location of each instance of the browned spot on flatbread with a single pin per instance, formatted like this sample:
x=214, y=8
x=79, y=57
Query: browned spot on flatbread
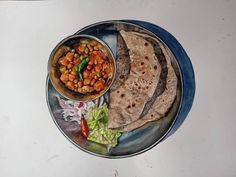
x=122, y=76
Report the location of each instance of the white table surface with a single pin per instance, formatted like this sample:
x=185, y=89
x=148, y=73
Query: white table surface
x=31, y=144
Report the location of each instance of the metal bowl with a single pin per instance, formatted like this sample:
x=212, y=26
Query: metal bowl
x=54, y=74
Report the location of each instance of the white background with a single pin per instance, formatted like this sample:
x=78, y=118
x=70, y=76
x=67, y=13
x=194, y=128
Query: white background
x=31, y=144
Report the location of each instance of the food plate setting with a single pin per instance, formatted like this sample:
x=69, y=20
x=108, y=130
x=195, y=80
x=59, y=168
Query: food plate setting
x=117, y=88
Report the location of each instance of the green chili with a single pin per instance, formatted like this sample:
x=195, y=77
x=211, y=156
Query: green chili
x=81, y=66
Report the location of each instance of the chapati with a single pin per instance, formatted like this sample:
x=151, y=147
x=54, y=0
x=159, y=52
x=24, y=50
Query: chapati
x=163, y=102
x=128, y=100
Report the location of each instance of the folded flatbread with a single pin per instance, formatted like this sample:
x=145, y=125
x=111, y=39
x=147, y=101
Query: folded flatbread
x=163, y=102
x=128, y=100
x=122, y=63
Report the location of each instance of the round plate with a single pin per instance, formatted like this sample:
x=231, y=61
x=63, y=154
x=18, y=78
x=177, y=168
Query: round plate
x=146, y=137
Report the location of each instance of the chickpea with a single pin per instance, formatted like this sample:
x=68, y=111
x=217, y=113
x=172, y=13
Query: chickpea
x=98, y=68
x=69, y=66
x=105, y=76
x=70, y=85
x=69, y=56
x=76, y=61
x=91, y=62
x=64, y=61
x=79, y=89
x=81, y=48
x=93, y=71
x=90, y=47
x=93, y=43
x=98, y=74
x=105, y=66
x=95, y=48
x=80, y=84
x=100, y=61
x=75, y=81
x=99, y=46
x=86, y=50
x=89, y=67
x=91, y=75
x=99, y=85
x=92, y=82
x=87, y=81
x=86, y=73
x=62, y=69
x=71, y=77
x=64, y=77
x=73, y=71
x=107, y=70
x=76, y=55
x=87, y=89
x=95, y=52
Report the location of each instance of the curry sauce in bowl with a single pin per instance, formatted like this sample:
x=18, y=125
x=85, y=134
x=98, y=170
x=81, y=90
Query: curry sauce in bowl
x=81, y=67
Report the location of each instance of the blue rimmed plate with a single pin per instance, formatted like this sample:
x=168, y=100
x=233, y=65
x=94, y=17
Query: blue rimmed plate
x=146, y=137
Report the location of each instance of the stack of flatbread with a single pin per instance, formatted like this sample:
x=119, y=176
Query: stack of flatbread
x=145, y=85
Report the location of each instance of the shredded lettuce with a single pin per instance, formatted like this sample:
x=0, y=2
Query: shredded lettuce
x=98, y=126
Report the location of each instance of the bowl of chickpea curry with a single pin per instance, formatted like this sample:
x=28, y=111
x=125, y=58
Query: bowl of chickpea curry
x=82, y=67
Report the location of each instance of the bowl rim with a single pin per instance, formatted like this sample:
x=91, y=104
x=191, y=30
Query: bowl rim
x=81, y=36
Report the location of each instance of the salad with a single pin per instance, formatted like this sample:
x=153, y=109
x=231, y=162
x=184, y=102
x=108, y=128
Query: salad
x=92, y=119
x=98, y=126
